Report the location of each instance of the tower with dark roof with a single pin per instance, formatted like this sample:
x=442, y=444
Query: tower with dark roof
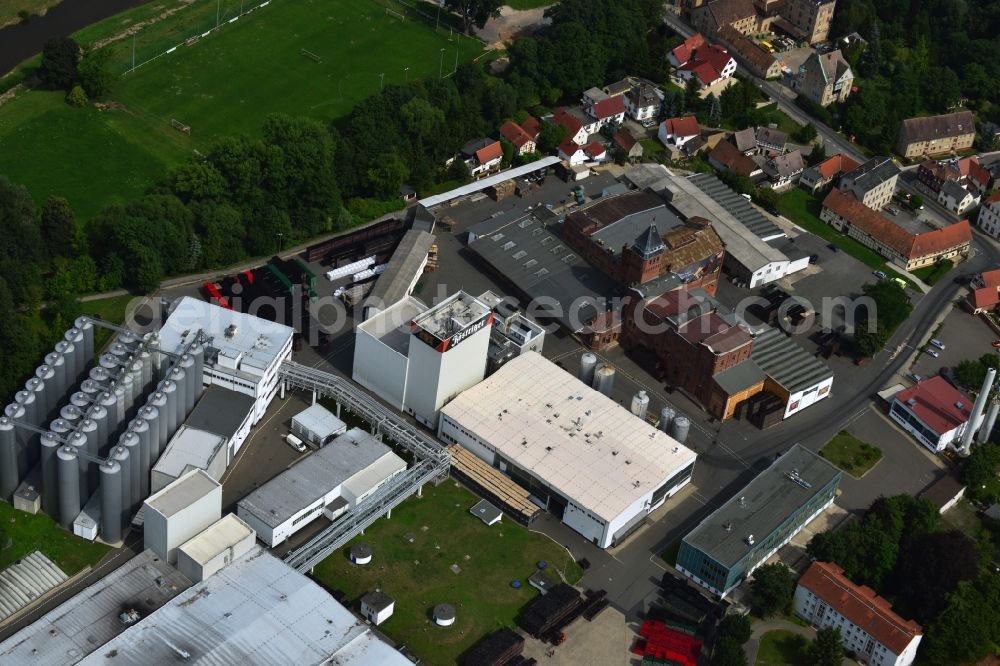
x=649, y=244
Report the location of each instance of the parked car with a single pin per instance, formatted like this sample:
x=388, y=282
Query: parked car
x=916, y=378
x=932, y=352
x=937, y=343
x=295, y=443
x=813, y=258
x=879, y=274
x=996, y=344
x=832, y=247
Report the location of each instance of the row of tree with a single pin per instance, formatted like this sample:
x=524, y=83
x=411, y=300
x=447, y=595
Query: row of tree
x=876, y=325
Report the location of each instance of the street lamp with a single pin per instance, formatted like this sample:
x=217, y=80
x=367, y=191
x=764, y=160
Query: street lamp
x=406, y=74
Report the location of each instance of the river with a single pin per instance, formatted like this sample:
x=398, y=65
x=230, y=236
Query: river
x=20, y=42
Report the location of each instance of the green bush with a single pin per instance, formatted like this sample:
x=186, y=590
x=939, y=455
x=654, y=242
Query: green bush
x=76, y=97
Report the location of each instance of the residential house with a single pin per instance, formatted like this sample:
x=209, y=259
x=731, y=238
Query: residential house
x=609, y=111
x=592, y=96
x=825, y=78
x=709, y=64
x=619, y=87
x=482, y=156
x=869, y=629
x=642, y=102
x=989, y=216
x=522, y=141
x=760, y=62
x=846, y=214
x=957, y=198
x=936, y=135
x=783, y=171
x=810, y=19
x=872, y=183
x=770, y=140
x=710, y=17
x=577, y=126
x=625, y=142
x=966, y=171
x=726, y=157
x=745, y=141
x=595, y=151
x=675, y=133
x=576, y=154
x=984, y=292
x=818, y=178
x=683, y=52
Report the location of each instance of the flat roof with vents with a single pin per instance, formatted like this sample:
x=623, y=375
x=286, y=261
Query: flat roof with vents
x=761, y=507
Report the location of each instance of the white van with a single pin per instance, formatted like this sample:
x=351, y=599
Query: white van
x=295, y=443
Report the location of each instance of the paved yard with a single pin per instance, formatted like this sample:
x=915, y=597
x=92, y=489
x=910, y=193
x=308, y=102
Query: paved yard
x=964, y=337
x=605, y=640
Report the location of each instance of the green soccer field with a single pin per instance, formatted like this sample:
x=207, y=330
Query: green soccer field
x=223, y=84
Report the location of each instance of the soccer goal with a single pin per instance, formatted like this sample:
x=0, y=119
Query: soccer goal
x=179, y=126
x=393, y=13
x=312, y=56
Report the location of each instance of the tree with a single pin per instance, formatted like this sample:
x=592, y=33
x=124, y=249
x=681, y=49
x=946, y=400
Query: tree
x=772, y=588
x=76, y=97
x=930, y=567
x=474, y=12
x=827, y=649
x=388, y=175
x=728, y=652
x=805, y=134
x=766, y=197
x=57, y=226
x=979, y=472
x=95, y=75
x=21, y=252
x=736, y=627
x=197, y=181
x=714, y=110
x=58, y=70
x=967, y=629
x=509, y=151
x=550, y=136
x=817, y=154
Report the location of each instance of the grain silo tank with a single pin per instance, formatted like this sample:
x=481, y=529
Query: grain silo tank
x=146, y=361
x=36, y=387
x=197, y=352
x=100, y=375
x=110, y=362
x=68, y=351
x=588, y=363
x=88, y=427
x=169, y=389
x=109, y=401
x=48, y=445
x=179, y=377
x=10, y=475
x=133, y=444
x=74, y=336
x=680, y=428
x=46, y=375
x=640, y=404
x=27, y=400
x=69, y=486
x=135, y=371
x=86, y=327
x=15, y=412
x=155, y=412
x=57, y=362
x=71, y=414
x=140, y=428
x=78, y=442
x=120, y=351
x=153, y=345
x=123, y=397
x=99, y=414
x=81, y=399
x=604, y=378
x=111, y=501
x=667, y=415
x=121, y=455
x=128, y=338
x=186, y=363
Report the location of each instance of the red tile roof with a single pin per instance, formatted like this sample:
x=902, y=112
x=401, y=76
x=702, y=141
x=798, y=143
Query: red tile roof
x=624, y=140
x=569, y=147
x=936, y=404
x=831, y=166
x=860, y=605
x=567, y=120
x=992, y=278
x=941, y=240
x=707, y=63
x=715, y=333
x=985, y=298
x=684, y=126
x=993, y=198
x=682, y=53
x=532, y=126
x=732, y=159
x=608, y=108
x=595, y=149
x=515, y=134
x=489, y=152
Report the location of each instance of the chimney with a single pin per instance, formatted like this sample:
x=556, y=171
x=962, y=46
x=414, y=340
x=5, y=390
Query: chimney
x=976, y=417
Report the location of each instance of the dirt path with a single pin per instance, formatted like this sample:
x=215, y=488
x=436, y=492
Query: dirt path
x=136, y=27
x=510, y=24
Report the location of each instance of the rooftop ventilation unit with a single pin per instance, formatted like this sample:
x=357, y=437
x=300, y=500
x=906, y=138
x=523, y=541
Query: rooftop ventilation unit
x=750, y=540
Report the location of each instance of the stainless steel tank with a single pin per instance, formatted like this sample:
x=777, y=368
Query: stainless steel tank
x=604, y=378
x=680, y=428
x=99, y=415
x=153, y=345
x=78, y=441
x=50, y=397
x=169, y=389
x=100, y=375
x=10, y=475
x=123, y=394
x=27, y=400
x=15, y=411
x=109, y=362
x=140, y=428
x=155, y=412
x=71, y=414
x=50, y=473
x=146, y=359
x=81, y=399
x=667, y=415
x=88, y=428
x=69, y=486
x=135, y=372
x=640, y=404
x=128, y=338
x=197, y=352
x=109, y=401
x=588, y=364
x=68, y=351
x=75, y=337
x=179, y=377
x=111, y=501
x=133, y=443
x=186, y=363
x=36, y=387
x=57, y=362
x=86, y=327
x=121, y=455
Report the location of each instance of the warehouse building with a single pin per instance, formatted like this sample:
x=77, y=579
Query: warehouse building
x=244, y=351
x=180, y=511
x=933, y=411
x=585, y=458
x=317, y=426
x=401, y=272
x=513, y=332
x=726, y=547
x=222, y=542
x=329, y=482
x=417, y=358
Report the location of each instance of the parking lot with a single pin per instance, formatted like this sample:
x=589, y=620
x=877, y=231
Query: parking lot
x=964, y=336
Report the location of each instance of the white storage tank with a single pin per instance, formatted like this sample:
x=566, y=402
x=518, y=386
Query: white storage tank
x=640, y=404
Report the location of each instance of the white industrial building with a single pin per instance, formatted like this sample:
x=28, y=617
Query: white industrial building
x=329, y=482
x=417, y=358
x=226, y=540
x=189, y=449
x=243, y=354
x=317, y=425
x=180, y=511
x=584, y=457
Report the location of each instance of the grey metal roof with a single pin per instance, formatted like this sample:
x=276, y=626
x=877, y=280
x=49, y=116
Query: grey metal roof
x=873, y=173
x=739, y=377
x=632, y=227
x=305, y=482
x=786, y=362
x=737, y=206
x=762, y=506
x=377, y=600
x=257, y=610
x=182, y=492
x=483, y=183
x=89, y=619
x=402, y=268
x=952, y=189
x=391, y=327
x=486, y=512
x=320, y=420
x=220, y=411
x=537, y=262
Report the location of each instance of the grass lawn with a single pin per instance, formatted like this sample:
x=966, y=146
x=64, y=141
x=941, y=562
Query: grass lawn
x=772, y=114
x=529, y=4
x=223, y=84
x=39, y=532
x=931, y=274
x=851, y=454
x=804, y=209
x=782, y=648
x=651, y=147
x=418, y=575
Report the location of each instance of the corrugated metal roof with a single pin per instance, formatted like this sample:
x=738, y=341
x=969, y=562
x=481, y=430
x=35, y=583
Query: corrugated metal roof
x=402, y=269
x=480, y=185
x=787, y=363
x=217, y=537
x=320, y=420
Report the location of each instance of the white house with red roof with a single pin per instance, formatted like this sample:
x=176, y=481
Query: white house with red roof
x=522, y=140
x=576, y=154
x=609, y=110
x=576, y=130
x=933, y=411
x=682, y=53
x=482, y=156
x=674, y=133
x=989, y=215
x=709, y=64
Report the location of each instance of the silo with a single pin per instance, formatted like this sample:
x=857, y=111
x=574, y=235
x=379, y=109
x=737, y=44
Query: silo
x=135, y=371
x=667, y=414
x=50, y=473
x=128, y=338
x=680, y=428
x=588, y=363
x=604, y=378
x=109, y=401
x=133, y=443
x=146, y=359
x=121, y=455
x=47, y=390
x=198, y=354
x=111, y=501
x=27, y=400
x=68, y=351
x=88, y=428
x=75, y=337
x=155, y=412
x=640, y=404
x=140, y=428
x=991, y=418
x=120, y=351
x=71, y=414
x=186, y=363
x=69, y=486
x=86, y=327
x=110, y=363
x=123, y=392
x=36, y=387
x=81, y=399
x=99, y=415
x=100, y=375
x=10, y=475
x=22, y=437
x=78, y=441
x=57, y=362
x=153, y=345
x=168, y=412
x=179, y=378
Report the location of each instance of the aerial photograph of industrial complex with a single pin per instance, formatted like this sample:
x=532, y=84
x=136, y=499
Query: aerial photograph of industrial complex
x=500, y=332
